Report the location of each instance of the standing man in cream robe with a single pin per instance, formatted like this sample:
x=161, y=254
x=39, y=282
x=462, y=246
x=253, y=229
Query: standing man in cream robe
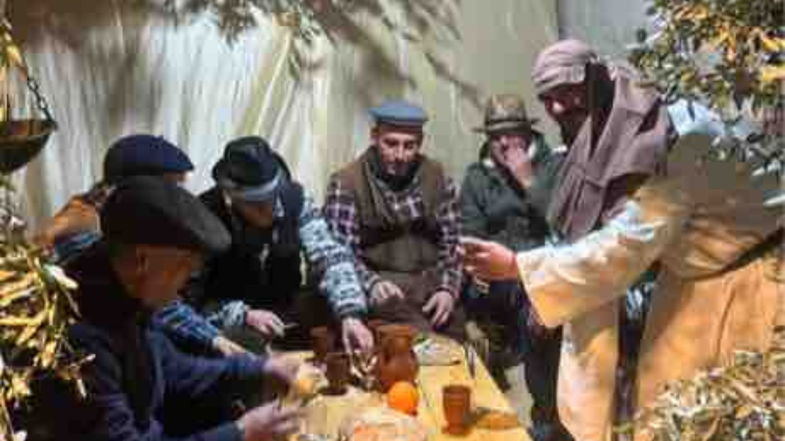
x=639, y=186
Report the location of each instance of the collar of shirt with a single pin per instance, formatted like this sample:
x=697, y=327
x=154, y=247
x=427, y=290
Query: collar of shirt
x=412, y=186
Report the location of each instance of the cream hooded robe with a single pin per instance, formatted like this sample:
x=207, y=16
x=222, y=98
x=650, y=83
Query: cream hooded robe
x=699, y=221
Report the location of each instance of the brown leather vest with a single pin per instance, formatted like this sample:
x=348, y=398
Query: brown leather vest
x=389, y=243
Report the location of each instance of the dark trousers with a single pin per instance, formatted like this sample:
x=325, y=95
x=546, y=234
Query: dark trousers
x=502, y=314
x=541, y=365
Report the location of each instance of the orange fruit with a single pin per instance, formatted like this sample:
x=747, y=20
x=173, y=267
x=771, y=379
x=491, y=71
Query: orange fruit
x=304, y=386
x=403, y=397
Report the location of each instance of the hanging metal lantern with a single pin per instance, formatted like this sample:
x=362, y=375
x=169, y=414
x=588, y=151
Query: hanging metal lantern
x=20, y=139
x=37, y=307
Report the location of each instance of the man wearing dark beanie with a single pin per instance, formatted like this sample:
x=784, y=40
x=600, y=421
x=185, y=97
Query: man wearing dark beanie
x=155, y=235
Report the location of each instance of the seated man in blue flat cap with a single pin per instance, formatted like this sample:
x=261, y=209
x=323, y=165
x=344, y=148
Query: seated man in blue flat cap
x=75, y=226
x=139, y=386
x=254, y=284
x=397, y=210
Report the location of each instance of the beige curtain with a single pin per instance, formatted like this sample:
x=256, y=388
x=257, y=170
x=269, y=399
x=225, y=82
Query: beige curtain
x=110, y=69
x=608, y=25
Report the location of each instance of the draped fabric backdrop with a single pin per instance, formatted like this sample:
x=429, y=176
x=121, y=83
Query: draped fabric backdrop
x=111, y=68
x=607, y=25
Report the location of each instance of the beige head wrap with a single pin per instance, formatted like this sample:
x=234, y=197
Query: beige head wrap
x=563, y=62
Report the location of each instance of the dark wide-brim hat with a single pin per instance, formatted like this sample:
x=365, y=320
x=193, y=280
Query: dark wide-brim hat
x=250, y=170
x=149, y=210
x=505, y=112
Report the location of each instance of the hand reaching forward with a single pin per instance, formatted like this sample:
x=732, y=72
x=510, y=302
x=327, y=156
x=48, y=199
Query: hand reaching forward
x=267, y=423
x=439, y=308
x=489, y=261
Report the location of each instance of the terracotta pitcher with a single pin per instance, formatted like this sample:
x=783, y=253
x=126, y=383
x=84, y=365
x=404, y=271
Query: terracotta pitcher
x=396, y=358
x=374, y=325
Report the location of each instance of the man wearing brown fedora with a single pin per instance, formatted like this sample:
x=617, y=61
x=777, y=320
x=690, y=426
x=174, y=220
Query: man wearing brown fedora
x=504, y=198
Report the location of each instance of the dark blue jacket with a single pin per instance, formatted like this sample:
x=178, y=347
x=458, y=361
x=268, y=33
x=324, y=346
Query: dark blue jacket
x=138, y=375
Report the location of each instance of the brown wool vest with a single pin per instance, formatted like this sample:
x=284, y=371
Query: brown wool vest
x=403, y=252
x=389, y=243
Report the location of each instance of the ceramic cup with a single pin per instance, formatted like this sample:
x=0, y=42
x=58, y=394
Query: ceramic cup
x=456, y=400
x=322, y=342
x=337, y=372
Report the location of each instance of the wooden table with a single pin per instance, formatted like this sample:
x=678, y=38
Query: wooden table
x=325, y=414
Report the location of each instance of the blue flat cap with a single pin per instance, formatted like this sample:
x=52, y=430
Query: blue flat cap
x=139, y=155
x=148, y=210
x=399, y=113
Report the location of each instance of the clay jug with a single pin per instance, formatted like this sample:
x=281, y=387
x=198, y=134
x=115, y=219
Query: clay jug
x=397, y=361
x=374, y=326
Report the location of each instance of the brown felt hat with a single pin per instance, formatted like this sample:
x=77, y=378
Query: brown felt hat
x=505, y=112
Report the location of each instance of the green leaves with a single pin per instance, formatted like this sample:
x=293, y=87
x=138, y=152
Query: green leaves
x=36, y=308
x=713, y=49
x=728, y=54
x=742, y=402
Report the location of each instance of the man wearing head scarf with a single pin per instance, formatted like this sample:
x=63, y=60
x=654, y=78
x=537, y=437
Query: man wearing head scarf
x=254, y=284
x=504, y=198
x=397, y=210
x=640, y=185
x=138, y=385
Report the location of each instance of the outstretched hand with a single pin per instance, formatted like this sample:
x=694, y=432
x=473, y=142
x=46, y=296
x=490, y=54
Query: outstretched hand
x=489, y=261
x=265, y=322
x=356, y=336
x=267, y=423
x=384, y=291
x=439, y=308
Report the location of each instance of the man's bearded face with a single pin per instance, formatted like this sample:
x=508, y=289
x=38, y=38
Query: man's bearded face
x=568, y=105
x=398, y=148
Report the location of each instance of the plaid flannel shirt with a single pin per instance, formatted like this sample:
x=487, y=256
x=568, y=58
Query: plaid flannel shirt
x=341, y=212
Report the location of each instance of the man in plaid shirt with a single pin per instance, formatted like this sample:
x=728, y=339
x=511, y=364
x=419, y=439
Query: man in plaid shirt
x=397, y=210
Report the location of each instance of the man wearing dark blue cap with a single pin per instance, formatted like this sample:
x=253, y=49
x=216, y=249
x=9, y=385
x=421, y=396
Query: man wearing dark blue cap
x=271, y=221
x=154, y=237
x=75, y=226
x=397, y=210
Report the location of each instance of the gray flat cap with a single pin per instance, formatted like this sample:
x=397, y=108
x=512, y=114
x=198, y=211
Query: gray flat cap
x=399, y=113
